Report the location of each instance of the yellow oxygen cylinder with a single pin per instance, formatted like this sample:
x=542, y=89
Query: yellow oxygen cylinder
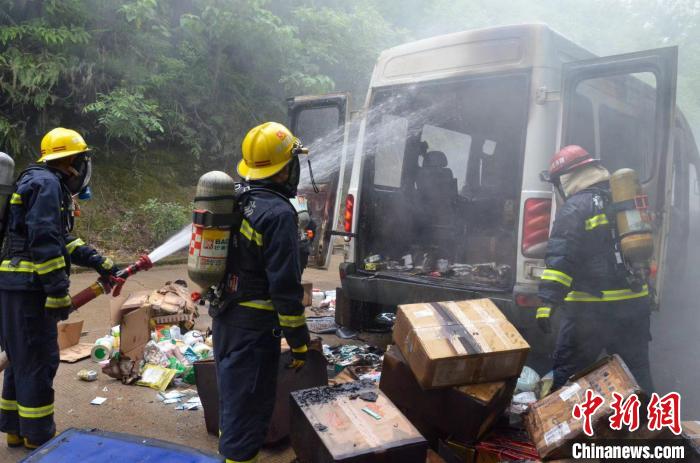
x=211, y=228
x=633, y=219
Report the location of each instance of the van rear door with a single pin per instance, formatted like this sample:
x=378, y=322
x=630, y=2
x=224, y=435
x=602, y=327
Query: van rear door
x=321, y=122
x=622, y=108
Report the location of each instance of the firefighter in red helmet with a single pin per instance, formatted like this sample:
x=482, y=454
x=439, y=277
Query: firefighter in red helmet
x=585, y=279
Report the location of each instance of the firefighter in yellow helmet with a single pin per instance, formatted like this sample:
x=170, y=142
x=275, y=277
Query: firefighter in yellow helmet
x=34, y=282
x=262, y=292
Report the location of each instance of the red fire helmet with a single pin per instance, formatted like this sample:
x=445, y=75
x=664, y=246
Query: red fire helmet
x=567, y=159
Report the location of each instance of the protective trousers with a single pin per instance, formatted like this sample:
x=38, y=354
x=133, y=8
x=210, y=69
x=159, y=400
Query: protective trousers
x=589, y=328
x=29, y=337
x=246, y=366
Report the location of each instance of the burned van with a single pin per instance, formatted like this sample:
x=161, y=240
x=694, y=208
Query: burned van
x=444, y=198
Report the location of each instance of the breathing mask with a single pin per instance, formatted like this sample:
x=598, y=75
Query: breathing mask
x=81, y=172
x=292, y=182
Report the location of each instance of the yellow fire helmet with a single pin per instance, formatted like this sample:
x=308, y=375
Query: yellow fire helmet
x=266, y=148
x=61, y=143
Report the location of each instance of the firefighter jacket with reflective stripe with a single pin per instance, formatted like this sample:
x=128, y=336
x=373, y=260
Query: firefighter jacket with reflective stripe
x=581, y=260
x=262, y=286
x=39, y=247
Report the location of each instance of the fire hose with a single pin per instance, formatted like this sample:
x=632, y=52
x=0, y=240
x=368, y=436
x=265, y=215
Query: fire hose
x=98, y=288
x=114, y=284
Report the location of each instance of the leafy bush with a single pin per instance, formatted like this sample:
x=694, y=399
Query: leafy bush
x=164, y=219
x=127, y=115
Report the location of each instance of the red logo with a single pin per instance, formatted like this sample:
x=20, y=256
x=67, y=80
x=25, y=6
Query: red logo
x=662, y=412
x=665, y=412
x=586, y=410
x=281, y=135
x=626, y=411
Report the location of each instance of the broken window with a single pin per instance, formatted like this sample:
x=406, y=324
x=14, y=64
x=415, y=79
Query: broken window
x=442, y=175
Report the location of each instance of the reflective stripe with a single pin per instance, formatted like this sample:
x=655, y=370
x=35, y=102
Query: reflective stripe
x=556, y=275
x=252, y=460
x=596, y=221
x=300, y=350
x=22, y=266
x=292, y=321
x=249, y=232
x=50, y=265
x=258, y=304
x=29, y=267
x=76, y=243
x=16, y=199
x=608, y=296
x=543, y=312
x=9, y=405
x=57, y=302
x=107, y=263
x=35, y=412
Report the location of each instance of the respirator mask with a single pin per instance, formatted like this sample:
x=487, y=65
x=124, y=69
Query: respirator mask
x=81, y=172
x=292, y=182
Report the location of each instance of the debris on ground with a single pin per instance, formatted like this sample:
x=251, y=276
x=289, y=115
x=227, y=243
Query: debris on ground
x=320, y=317
x=158, y=345
x=362, y=362
x=87, y=375
x=98, y=400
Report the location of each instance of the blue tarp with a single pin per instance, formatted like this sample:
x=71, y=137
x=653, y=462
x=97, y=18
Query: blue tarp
x=94, y=446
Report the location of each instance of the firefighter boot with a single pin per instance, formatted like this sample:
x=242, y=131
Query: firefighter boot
x=13, y=440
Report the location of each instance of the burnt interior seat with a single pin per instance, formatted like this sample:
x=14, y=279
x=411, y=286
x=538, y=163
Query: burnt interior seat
x=437, y=194
x=435, y=181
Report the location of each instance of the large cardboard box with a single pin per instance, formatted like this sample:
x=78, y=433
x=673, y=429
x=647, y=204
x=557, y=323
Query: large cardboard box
x=458, y=343
x=335, y=424
x=550, y=423
x=464, y=413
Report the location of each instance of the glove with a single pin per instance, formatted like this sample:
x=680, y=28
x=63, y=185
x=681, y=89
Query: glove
x=543, y=319
x=112, y=284
x=107, y=268
x=58, y=305
x=298, y=357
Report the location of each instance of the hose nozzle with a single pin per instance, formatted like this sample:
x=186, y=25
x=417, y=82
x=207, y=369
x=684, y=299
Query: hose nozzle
x=143, y=263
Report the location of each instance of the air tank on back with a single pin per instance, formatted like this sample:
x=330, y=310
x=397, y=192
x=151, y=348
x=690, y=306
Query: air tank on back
x=211, y=228
x=7, y=183
x=633, y=220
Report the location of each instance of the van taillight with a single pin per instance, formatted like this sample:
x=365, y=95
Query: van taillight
x=349, y=209
x=536, y=217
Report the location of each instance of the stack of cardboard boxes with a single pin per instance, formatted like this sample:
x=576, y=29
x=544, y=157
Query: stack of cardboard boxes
x=453, y=368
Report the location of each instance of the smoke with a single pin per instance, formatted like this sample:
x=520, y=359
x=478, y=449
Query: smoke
x=675, y=328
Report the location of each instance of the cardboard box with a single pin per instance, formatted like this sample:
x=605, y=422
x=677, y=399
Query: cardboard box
x=457, y=343
x=333, y=424
x=550, y=423
x=69, y=345
x=464, y=413
x=134, y=333
x=313, y=374
x=308, y=290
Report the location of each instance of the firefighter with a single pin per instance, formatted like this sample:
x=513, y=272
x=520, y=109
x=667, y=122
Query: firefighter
x=307, y=233
x=262, y=292
x=585, y=278
x=38, y=252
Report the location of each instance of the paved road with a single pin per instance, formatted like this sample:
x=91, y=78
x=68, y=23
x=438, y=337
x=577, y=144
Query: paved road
x=134, y=409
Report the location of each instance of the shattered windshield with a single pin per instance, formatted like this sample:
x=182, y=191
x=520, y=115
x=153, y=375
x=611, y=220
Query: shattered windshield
x=442, y=177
